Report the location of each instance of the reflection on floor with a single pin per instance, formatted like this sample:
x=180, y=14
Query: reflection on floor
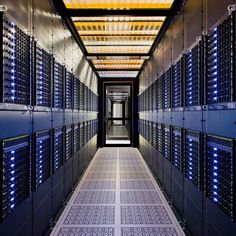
x=118, y=131
x=117, y=196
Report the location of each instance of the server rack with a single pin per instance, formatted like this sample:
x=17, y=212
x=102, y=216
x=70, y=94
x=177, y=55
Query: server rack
x=167, y=89
x=177, y=148
x=154, y=135
x=76, y=94
x=76, y=138
x=42, y=158
x=43, y=75
x=177, y=84
x=58, y=85
x=81, y=92
x=81, y=135
x=69, y=90
x=193, y=158
x=15, y=173
x=220, y=64
x=57, y=149
x=159, y=137
x=68, y=142
x=15, y=80
x=166, y=142
x=220, y=173
x=194, y=76
x=160, y=92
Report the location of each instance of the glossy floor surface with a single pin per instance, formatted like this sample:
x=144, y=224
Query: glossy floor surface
x=118, y=196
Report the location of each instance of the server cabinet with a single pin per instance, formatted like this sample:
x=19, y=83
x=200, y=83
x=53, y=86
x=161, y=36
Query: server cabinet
x=68, y=90
x=15, y=82
x=166, y=149
x=15, y=173
x=220, y=64
x=76, y=94
x=159, y=88
x=43, y=75
x=58, y=85
x=177, y=148
x=194, y=75
x=167, y=89
x=220, y=173
x=57, y=149
x=81, y=92
x=76, y=138
x=193, y=168
x=177, y=84
x=42, y=158
x=81, y=135
x=68, y=142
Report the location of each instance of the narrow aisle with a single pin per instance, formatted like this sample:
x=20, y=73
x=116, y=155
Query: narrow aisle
x=117, y=196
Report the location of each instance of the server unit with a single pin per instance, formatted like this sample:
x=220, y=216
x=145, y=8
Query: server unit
x=15, y=173
x=220, y=173
x=193, y=158
x=58, y=85
x=194, y=76
x=177, y=84
x=69, y=90
x=57, y=149
x=167, y=89
x=15, y=79
x=166, y=149
x=177, y=148
x=42, y=158
x=68, y=142
x=76, y=138
x=43, y=75
x=220, y=64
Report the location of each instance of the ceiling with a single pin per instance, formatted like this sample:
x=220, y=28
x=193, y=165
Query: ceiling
x=116, y=36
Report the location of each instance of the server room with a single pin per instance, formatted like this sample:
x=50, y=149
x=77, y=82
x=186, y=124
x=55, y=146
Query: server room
x=118, y=118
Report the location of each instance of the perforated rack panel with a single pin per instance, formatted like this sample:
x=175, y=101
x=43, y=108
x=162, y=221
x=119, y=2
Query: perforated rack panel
x=68, y=142
x=154, y=134
x=167, y=89
x=15, y=173
x=58, y=91
x=42, y=158
x=167, y=142
x=76, y=138
x=58, y=149
x=43, y=77
x=220, y=44
x=177, y=84
x=81, y=92
x=193, y=160
x=220, y=173
x=159, y=137
x=15, y=82
x=81, y=135
x=85, y=132
x=177, y=147
x=69, y=90
x=193, y=76
x=160, y=92
x=76, y=94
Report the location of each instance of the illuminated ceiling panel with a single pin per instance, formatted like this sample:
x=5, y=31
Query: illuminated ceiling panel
x=119, y=74
x=118, y=4
x=112, y=41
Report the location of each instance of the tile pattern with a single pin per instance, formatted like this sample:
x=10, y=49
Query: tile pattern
x=117, y=196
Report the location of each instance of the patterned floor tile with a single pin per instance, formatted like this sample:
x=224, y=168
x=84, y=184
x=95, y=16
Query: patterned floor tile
x=90, y=215
x=143, y=215
x=98, y=185
x=134, y=175
x=139, y=197
x=136, y=184
x=86, y=231
x=101, y=175
x=95, y=197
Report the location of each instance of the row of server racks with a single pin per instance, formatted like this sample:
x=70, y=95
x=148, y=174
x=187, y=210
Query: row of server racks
x=28, y=161
x=203, y=78
x=202, y=81
x=30, y=76
x=39, y=165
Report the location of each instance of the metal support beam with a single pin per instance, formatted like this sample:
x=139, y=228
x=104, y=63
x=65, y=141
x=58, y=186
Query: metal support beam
x=116, y=12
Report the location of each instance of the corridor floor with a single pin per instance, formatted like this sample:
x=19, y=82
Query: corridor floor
x=117, y=196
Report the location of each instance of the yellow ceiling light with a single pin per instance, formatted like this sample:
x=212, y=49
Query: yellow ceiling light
x=117, y=50
x=118, y=18
x=110, y=62
x=118, y=66
x=118, y=4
